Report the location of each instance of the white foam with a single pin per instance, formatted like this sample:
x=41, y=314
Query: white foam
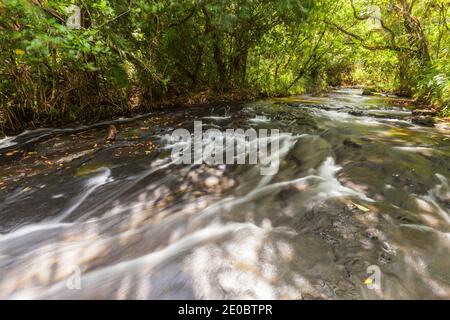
x=7, y=142
x=260, y=119
x=415, y=149
x=92, y=184
x=217, y=118
x=26, y=230
x=139, y=266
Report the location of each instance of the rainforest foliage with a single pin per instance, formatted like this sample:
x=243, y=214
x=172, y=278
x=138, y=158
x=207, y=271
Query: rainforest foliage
x=131, y=54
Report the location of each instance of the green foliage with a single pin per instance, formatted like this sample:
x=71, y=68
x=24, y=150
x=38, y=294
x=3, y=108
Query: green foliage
x=435, y=85
x=135, y=54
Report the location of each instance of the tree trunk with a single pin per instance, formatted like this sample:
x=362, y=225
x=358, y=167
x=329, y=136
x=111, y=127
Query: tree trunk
x=217, y=51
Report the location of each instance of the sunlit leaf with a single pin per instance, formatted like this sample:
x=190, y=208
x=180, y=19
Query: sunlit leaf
x=360, y=207
x=19, y=52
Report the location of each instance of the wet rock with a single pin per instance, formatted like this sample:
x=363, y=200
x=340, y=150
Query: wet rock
x=443, y=127
x=424, y=112
x=309, y=105
x=368, y=92
x=352, y=144
x=424, y=117
x=90, y=169
x=293, y=114
x=426, y=121
x=375, y=234
x=112, y=134
x=358, y=113
x=211, y=182
x=74, y=156
x=311, y=151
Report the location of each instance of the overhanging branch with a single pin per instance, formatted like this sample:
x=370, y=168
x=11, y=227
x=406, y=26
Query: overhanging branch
x=362, y=41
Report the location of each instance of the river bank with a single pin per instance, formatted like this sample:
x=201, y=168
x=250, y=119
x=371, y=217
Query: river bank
x=202, y=98
x=135, y=107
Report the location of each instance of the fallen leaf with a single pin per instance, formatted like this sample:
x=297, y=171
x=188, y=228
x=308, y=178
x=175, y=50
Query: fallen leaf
x=368, y=281
x=360, y=207
x=11, y=153
x=198, y=194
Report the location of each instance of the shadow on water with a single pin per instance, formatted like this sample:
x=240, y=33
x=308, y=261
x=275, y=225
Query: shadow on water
x=358, y=186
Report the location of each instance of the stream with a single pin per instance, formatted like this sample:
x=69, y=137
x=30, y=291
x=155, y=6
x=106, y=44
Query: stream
x=359, y=188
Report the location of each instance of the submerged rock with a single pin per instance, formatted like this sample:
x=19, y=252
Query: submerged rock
x=310, y=151
x=90, y=169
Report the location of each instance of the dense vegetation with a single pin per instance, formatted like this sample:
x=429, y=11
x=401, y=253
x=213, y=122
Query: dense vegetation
x=135, y=54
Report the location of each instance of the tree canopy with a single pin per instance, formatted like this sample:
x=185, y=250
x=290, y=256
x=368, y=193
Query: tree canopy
x=138, y=53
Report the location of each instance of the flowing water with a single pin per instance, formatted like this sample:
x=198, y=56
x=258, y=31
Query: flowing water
x=359, y=186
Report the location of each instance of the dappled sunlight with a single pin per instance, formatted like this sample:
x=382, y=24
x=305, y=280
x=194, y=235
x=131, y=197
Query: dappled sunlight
x=132, y=223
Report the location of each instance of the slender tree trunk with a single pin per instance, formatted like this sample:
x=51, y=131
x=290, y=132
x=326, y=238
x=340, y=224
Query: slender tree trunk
x=217, y=51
